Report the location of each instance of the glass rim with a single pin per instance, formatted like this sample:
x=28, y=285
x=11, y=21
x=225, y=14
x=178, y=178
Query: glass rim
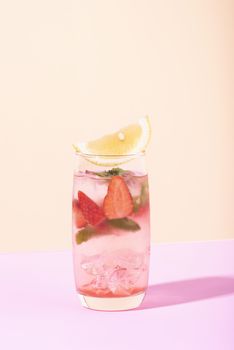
x=93, y=155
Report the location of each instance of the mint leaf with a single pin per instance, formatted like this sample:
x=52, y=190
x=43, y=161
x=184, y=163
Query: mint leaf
x=85, y=234
x=144, y=196
x=136, y=203
x=116, y=171
x=142, y=199
x=124, y=224
x=112, y=172
x=89, y=231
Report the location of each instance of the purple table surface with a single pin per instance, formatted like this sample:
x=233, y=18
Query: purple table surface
x=189, y=304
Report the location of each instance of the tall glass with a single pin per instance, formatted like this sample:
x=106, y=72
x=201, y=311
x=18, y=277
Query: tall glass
x=111, y=230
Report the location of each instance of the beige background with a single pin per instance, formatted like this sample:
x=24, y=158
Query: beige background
x=71, y=70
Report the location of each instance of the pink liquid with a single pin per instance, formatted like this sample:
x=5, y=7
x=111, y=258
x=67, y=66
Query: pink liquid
x=114, y=262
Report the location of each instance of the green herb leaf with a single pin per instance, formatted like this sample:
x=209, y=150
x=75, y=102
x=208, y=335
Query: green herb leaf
x=144, y=196
x=85, y=234
x=136, y=203
x=112, y=172
x=124, y=224
x=142, y=199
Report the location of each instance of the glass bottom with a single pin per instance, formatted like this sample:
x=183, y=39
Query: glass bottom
x=112, y=304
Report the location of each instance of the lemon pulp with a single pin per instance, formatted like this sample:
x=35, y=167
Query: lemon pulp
x=130, y=140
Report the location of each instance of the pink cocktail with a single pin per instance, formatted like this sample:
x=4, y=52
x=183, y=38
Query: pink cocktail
x=111, y=233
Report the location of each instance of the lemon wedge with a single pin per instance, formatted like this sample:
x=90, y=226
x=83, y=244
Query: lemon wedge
x=127, y=141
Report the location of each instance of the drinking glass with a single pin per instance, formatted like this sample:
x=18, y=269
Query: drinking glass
x=111, y=230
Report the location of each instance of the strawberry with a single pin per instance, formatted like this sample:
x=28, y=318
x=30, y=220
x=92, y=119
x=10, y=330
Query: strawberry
x=90, y=210
x=118, y=202
x=79, y=219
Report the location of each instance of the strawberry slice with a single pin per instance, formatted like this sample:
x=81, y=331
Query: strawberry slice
x=90, y=210
x=79, y=219
x=118, y=202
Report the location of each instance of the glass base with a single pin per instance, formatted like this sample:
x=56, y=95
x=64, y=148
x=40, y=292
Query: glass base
x=112, y=304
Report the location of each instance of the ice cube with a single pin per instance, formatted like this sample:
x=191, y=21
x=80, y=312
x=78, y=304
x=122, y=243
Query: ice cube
x=117, y=272
x=92, y=265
